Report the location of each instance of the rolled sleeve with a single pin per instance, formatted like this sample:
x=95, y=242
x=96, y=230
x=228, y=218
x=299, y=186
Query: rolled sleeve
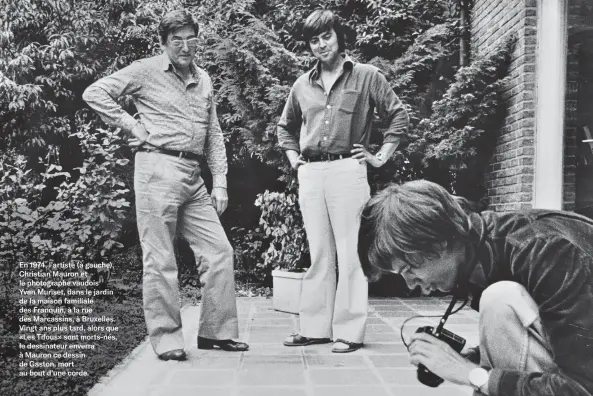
x=215, y=150
x=390, y=108
x=102, y=95
x=289, y=123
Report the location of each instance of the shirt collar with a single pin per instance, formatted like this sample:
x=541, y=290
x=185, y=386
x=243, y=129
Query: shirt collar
x=480, y=247
x=167, y=65
x=316, y=70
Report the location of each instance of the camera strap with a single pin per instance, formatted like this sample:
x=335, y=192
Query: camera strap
x=460, y=286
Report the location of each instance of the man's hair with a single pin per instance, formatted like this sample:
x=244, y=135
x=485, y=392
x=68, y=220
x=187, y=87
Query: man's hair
x=174, y=20
x=319, y=22
x=409, y=223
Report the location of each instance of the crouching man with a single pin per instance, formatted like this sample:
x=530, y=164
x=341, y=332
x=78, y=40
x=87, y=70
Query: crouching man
x=536, y=266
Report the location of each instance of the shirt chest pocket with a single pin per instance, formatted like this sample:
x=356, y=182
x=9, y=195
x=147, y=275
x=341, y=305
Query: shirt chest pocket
x=200, y=107
x=347, y=101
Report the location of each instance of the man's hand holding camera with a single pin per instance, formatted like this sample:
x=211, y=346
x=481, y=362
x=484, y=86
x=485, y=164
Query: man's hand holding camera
x=440, y=358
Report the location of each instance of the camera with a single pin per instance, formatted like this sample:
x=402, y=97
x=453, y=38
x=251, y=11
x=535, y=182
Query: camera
x=426, y=376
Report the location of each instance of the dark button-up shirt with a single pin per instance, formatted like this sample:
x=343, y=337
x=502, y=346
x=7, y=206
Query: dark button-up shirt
x=550, y=253
x=177, y=115
x=313, y=123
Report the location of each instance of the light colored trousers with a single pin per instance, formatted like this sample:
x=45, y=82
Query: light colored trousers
x=511, y=333
x=171, y=197
x=331, y=197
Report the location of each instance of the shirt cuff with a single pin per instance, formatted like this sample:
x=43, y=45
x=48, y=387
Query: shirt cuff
x=219, y=181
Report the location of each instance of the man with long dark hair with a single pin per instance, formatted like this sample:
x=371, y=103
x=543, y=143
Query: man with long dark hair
x=176, y=124
x=536, y=266
x=324, y=130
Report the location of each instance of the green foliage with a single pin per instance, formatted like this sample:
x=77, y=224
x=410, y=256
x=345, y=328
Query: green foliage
x=424, y=71
x=50, y=51
x=83, y=219
x=253, y=73
x=461, y=130
x=284, y=239
x=386, y=28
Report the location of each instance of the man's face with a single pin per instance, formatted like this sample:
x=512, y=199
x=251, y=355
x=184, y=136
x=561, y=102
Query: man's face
x=181, y=47
x=325, y=46
x=438, y=273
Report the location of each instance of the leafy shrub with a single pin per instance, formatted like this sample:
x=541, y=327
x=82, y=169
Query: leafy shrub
x=83, y=218
x=284, y=242
x=459, y=135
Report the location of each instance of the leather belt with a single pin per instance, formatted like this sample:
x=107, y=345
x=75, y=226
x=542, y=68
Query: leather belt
x=326, y=157
x=174, y=153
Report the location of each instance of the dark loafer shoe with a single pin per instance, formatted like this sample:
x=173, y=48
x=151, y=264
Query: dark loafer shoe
x=299, y=340
x=175, y=354
x=225, y=345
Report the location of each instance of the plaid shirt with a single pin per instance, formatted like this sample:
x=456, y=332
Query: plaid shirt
x=177, y=115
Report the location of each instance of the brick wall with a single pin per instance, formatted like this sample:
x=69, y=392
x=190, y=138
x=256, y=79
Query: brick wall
x=509, y=178
x=580, y=19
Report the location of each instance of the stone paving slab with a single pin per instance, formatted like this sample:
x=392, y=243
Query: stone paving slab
x=381, y=368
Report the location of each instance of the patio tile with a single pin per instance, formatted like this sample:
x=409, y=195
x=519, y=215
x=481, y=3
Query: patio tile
x=193, y=391
x=399, y=376
x=343, y=376
x=335, y=361
x=270, y=375
x=385, y=301
x=391, y=307
x=380, y=368
x=272, y=391
x=350, y=391
x=253, y=329
x=398, y=314
x=422, y=390
x=400, y=360
x=384, y=348
x=270, y=337
x=201, y=377
x=250, y=361
x=275, y=348
x=118, y=390
x=379, y=328
x=213, y=362
x=382, y=337
x=375, y=321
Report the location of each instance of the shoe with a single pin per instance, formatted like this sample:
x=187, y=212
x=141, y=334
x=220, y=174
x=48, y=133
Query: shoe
x=351, y=346
x=175, y=354
x=225, y=345
x=299, y=340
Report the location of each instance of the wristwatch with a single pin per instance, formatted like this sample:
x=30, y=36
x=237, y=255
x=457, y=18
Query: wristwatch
x=478, y=378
